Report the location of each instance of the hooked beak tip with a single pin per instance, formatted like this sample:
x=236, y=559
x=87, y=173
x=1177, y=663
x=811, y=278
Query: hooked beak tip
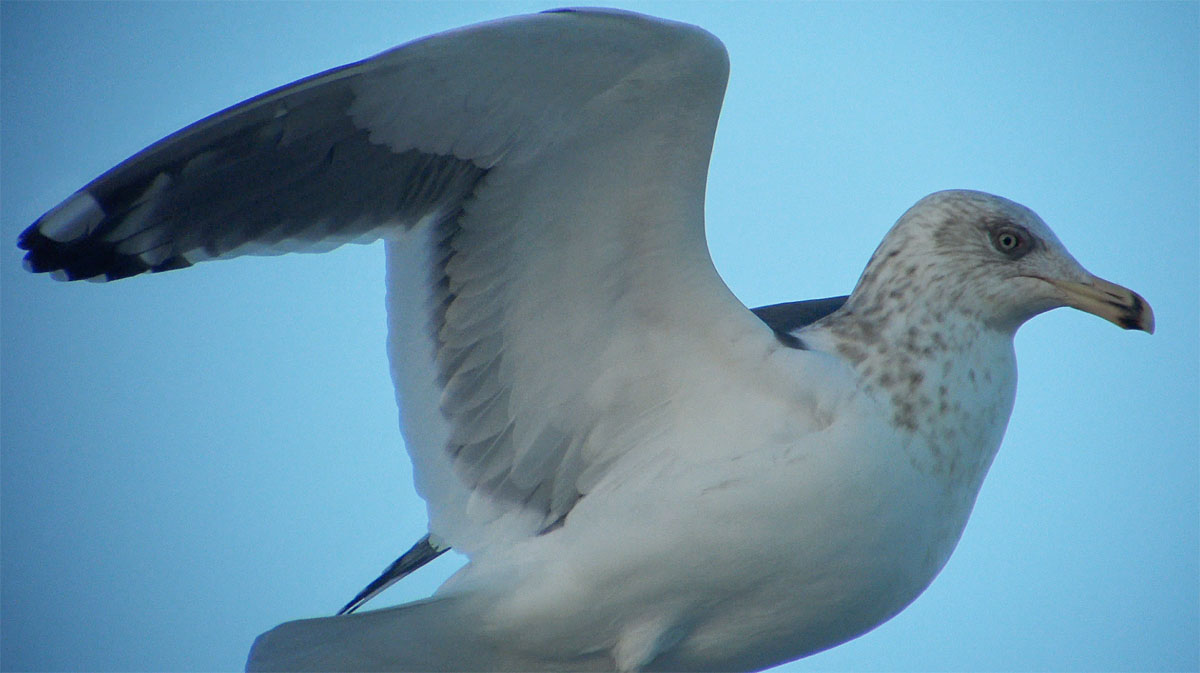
x=1119, y=305
x=1141, y=316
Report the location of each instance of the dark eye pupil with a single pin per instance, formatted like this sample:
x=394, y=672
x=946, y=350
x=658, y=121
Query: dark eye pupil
x=1013, y=241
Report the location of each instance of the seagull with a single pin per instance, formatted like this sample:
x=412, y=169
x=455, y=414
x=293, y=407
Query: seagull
x=643, y=473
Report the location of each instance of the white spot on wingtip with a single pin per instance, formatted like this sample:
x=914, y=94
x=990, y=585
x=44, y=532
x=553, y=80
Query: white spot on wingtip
x=72, y=219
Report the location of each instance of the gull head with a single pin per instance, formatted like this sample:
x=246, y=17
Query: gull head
x=995, y=260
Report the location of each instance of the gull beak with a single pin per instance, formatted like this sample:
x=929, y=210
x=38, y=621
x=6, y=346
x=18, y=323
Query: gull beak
x=1119, y=305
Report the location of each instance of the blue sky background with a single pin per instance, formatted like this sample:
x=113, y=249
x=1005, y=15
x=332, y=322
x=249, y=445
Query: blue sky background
x=191, y=458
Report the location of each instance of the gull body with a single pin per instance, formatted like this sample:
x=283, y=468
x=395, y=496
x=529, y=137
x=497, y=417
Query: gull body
x=644, y=474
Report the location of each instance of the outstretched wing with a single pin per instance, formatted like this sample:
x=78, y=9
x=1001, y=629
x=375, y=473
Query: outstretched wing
x=540, y=183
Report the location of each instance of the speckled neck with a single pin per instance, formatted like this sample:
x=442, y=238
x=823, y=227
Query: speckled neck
x=947, y=379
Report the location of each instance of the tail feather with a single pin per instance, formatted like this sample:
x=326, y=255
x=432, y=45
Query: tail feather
x=438, y=634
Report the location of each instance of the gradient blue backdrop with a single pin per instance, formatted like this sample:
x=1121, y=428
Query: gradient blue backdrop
x=191, y=458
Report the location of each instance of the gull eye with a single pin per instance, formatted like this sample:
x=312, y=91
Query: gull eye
x=1012, y=241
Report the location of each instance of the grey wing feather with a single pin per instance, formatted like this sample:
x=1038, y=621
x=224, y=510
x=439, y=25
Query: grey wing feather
x=285, y=171
x=790, y=316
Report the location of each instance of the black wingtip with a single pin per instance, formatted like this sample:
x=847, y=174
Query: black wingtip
x=85, y=259
x=418, y=555
x=81, y=260
x=46, y=255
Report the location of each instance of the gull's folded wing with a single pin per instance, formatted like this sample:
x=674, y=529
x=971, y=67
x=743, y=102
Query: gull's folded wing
x=540, y=182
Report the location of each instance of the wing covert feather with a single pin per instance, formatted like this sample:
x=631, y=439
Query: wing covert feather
x=540, y=184
x=581, y=247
